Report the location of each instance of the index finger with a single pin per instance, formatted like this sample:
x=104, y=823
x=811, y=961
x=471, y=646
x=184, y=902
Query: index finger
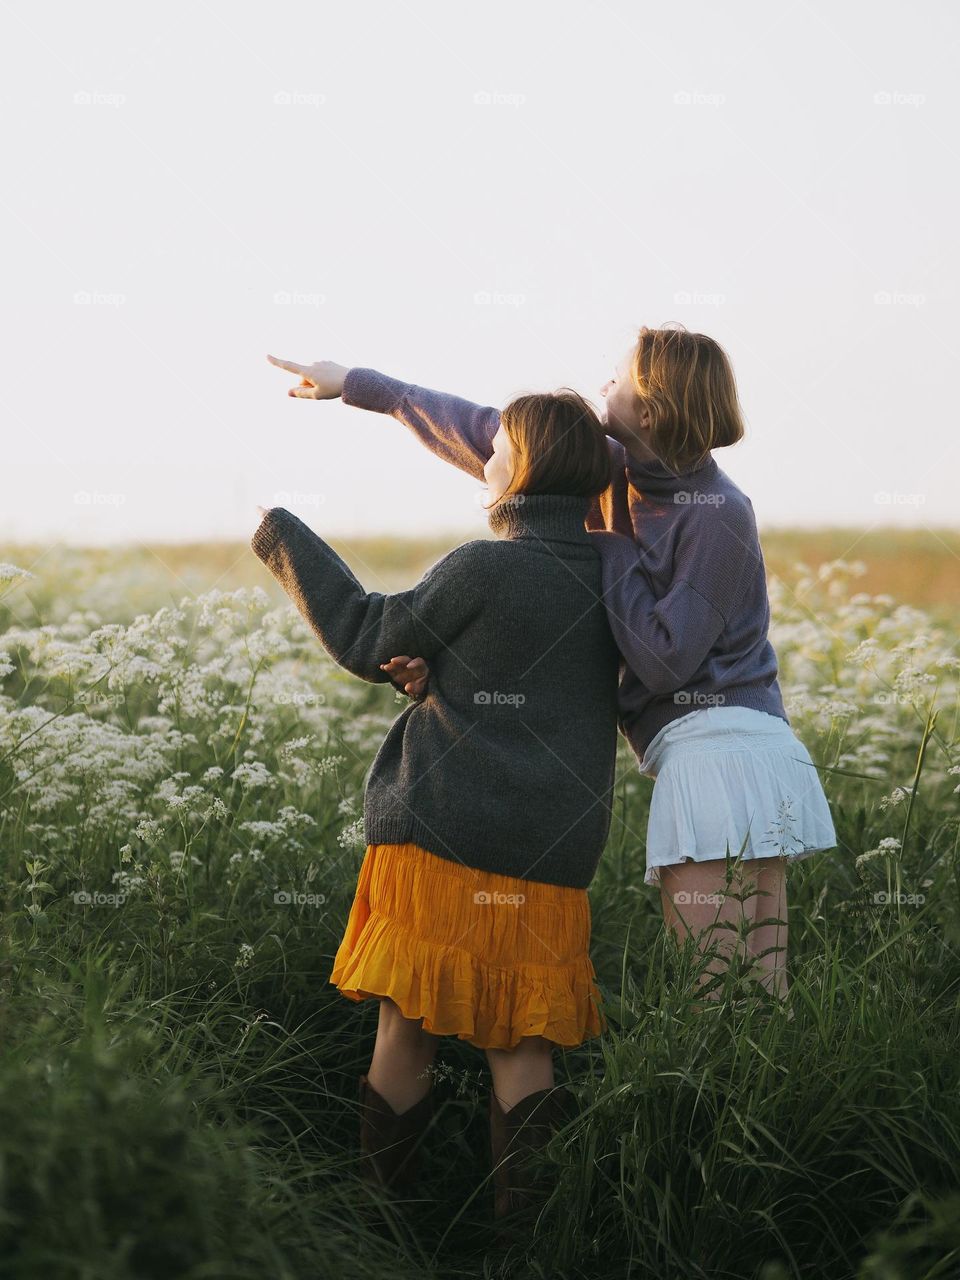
x=289, y=365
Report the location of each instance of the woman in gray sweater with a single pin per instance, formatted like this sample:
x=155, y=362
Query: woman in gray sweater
x=488, y=805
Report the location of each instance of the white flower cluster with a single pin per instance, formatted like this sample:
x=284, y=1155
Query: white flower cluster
x=860, y=674
x=215, y=742
x=203, y=731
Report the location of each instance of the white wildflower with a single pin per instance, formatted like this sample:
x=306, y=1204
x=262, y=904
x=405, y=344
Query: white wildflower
x=329, y=763
x=896, y=797
x=148, y=831
x=253, y=774
x=352, y=837
x=11, y=573
x=129, y=881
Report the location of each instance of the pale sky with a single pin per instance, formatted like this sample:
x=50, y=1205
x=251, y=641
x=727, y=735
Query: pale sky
x=486, y=199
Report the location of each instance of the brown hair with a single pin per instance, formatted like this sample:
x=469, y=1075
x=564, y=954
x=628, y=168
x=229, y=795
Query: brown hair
x=686, y=381
x=559, y=445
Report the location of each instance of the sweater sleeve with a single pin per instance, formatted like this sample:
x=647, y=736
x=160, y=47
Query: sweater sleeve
x=456, y=430
x=361, y=629
x=663, y=641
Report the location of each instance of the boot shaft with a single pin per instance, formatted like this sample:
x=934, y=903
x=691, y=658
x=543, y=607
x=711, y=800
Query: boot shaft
x=390, y=1143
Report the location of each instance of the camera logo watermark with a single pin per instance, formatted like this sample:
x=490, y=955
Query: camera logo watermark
x=694, y=698
x=686, y=298
x=482, y=499
x=86, y=298
x=489, y=298
x=491, y=898
x=94, y=698
x=292, y=98
x=897, y=98
x=488, y=699
x=90, y=498
x=285, y=298
x=95, y=98
x=293, y=898
x=891, y=298
x=495, y=98
x=299, y=699
x=285, y=497
x=694, y=98
x=892, y=698
x=694, y=498
x=888, y=498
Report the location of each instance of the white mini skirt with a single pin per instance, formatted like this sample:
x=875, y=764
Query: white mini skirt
x=731, y=778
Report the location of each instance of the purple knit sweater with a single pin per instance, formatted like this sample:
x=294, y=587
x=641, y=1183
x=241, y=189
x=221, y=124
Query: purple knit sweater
x=683, y=575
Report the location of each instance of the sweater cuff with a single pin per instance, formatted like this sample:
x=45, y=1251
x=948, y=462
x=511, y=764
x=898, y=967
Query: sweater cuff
x=268, y=533
x=368, y=389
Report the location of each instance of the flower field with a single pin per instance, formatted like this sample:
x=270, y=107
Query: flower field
x=181, y=782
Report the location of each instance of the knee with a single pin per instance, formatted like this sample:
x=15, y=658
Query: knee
x=527, y=1047
x=400, y=1030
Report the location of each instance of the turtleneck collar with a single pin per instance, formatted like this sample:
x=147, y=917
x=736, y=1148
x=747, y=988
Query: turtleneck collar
x=557, y=517
x=654, y=477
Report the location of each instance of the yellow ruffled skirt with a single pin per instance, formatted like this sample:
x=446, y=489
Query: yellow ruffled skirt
x=487, y=958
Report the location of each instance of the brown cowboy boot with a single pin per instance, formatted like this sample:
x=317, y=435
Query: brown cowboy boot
x=389, y=1143
x=515, y=1136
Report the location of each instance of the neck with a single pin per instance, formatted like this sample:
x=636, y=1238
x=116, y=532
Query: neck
x=650, y=475
x=549, y=517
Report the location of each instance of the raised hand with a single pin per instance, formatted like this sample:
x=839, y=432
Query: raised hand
x=320, y=381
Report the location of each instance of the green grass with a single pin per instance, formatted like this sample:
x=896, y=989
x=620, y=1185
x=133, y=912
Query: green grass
x=178, y=1084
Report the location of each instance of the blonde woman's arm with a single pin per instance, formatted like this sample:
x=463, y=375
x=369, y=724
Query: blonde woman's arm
x=456, y=430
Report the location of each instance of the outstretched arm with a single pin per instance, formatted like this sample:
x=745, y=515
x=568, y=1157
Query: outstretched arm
x=456, y=430
x=357, y=627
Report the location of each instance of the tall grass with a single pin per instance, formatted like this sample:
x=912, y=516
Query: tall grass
x=180, y=803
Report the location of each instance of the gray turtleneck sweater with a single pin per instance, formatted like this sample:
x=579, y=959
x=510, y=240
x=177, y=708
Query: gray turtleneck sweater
x=506, y=763
x=683, y=574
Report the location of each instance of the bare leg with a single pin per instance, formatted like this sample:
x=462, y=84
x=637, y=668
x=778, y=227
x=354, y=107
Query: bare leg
x=401, y=1056
x=520, y=1071
x=771, y=903
x=697, y=900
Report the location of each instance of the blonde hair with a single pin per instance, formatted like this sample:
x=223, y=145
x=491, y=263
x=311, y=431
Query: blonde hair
x=559, y=445
x=686, y=381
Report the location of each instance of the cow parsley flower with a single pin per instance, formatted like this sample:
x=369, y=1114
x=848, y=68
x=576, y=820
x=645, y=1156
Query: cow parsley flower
x=352, y=837
x=11, y=573
x=252, y=774
x=896, y=797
